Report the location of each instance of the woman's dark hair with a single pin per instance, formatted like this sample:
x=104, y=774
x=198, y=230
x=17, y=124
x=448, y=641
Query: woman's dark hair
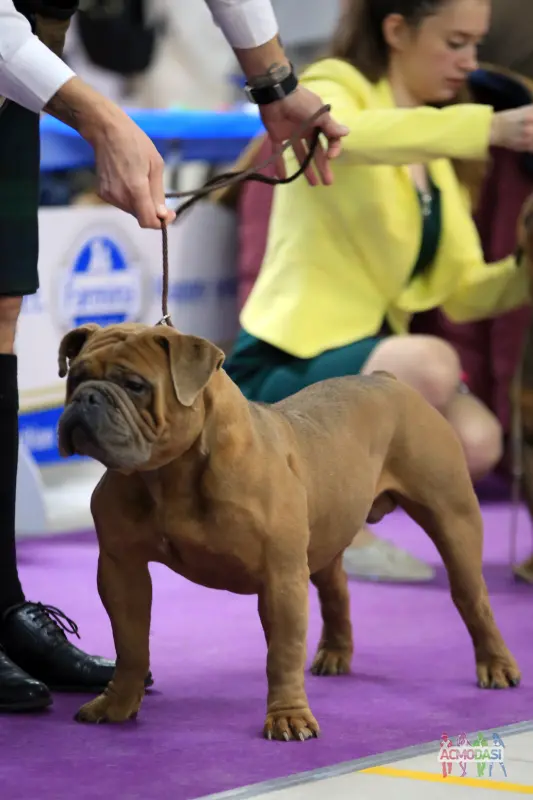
x=359, y=36
x=359, y=40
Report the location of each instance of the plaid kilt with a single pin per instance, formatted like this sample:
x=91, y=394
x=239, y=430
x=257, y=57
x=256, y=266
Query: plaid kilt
x=19, y=200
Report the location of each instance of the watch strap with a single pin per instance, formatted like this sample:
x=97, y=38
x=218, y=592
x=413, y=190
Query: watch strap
x=264, y=95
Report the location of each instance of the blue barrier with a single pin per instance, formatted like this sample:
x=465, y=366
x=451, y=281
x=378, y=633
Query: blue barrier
x=213, y=136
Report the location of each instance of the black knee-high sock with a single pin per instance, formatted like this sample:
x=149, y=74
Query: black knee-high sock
x=10, y=588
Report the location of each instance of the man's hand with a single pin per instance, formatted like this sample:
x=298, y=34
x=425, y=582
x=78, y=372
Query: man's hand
x=130, y=172
x=128, y=166
x=267, y=65
x=284, y=118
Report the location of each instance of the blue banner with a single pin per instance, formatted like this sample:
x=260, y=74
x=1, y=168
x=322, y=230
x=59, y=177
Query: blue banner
x=38, y=431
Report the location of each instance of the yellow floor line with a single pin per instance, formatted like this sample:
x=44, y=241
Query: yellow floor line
x=452, y=780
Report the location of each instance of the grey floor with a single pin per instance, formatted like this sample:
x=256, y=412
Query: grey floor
x=408, y=776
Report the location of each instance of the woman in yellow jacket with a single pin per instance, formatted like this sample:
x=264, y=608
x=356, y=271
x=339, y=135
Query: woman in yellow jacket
x=348, y=265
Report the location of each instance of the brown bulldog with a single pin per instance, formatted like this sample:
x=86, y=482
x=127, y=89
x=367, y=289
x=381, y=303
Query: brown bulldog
x=257, y=499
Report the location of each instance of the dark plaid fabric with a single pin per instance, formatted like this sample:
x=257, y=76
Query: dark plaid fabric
x=55, y=9
x=19, y=200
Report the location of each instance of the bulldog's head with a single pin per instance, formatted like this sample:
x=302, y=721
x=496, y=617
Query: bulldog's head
x=135, y=393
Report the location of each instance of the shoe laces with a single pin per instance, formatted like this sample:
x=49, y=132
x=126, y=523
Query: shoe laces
x=53, y=619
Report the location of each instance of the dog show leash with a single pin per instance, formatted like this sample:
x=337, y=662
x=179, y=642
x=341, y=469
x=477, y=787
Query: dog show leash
x=226, y=179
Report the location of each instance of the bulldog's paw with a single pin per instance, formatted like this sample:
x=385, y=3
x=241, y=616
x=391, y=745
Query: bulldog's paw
x=331, y=662
x=497, y=671
x=290, y=725
x=108, y=709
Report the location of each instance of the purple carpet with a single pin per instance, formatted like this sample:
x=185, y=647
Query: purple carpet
x=199, y=729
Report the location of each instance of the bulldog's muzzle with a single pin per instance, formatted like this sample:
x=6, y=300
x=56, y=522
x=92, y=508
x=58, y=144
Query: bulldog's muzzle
x=98, y=422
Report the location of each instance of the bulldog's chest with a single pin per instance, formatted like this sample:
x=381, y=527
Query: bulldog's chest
x=218, y=548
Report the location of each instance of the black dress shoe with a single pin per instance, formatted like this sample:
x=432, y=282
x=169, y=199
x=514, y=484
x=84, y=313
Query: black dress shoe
x=18, y=691
x=33, y=636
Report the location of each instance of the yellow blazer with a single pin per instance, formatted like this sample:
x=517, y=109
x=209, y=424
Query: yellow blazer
x=339, y=258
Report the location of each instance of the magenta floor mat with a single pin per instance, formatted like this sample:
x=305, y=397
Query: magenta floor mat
x=199, y=729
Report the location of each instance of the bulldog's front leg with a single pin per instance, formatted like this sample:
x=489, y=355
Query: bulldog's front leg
x=125, y=588
x=283, y=608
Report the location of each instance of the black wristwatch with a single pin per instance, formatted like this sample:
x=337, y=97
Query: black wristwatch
x=270, y=94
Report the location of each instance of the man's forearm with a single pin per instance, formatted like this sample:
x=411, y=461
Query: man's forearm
x=83, y=108
x=251, y=29
x=65, y=107
x=264, y=65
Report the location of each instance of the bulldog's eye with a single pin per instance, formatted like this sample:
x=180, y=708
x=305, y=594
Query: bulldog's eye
x=135, y=386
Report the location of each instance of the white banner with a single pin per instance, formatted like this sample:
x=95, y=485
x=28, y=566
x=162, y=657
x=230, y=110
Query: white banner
x=97, y=265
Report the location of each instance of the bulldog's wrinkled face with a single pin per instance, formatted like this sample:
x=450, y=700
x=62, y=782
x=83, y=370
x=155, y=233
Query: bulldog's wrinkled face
x=134, y=397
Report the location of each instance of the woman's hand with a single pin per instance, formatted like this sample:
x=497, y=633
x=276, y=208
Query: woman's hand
x=513, y=129
x=284, y=118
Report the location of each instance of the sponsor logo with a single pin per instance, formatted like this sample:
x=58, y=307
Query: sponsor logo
x=102, y=282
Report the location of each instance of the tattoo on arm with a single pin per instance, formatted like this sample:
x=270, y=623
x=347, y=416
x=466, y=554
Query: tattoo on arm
x=275, y=74
x=64, y=111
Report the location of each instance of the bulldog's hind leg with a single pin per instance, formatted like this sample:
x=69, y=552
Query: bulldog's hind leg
x=335, y=649
x=452, y=519
x=125, y=589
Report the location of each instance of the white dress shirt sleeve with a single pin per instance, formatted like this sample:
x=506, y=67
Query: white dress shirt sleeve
x=244, y=23
x=30, y=74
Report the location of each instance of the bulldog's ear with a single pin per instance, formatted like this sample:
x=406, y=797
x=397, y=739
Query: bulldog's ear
x=71, y=345
x=192, y=361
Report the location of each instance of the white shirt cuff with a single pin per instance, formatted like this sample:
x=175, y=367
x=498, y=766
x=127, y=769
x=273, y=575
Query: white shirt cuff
x=245, y=23
x=33, y=75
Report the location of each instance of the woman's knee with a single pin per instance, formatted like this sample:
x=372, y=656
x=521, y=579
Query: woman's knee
x=481, y=436
x=428, y=364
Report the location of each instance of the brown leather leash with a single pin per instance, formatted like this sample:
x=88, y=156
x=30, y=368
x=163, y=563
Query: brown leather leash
x=229, y=179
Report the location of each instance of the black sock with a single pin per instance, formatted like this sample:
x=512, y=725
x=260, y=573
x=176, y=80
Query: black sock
x=10, y=589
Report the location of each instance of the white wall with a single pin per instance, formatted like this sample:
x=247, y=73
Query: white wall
x=191, y=67
x=305, y=21
x=194, y=63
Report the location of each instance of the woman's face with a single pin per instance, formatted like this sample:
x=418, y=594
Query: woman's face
x=435, y=59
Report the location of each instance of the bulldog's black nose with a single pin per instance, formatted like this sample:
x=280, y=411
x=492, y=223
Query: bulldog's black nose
x=89, y=398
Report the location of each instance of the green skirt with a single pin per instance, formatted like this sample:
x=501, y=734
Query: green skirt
x=265, y=374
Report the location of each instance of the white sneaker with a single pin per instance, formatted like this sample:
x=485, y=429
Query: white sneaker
x=524, y=571
x=383, y=561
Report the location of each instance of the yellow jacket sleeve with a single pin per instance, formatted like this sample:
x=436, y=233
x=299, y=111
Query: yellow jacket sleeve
x=396, y=136
x=488, y=290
